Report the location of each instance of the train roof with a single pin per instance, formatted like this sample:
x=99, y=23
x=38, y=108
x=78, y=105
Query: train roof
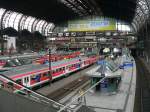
x=24, y=70
x=32, y=55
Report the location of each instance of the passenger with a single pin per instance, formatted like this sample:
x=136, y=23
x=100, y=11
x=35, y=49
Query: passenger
x=38, y=77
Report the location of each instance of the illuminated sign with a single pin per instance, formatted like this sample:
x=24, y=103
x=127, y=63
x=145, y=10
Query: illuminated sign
x=97, y=24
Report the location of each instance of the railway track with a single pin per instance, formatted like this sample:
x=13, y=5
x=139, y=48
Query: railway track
x=67, y=89
x=142, y=98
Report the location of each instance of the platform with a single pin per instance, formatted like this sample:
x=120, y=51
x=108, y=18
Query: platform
x=123, y=100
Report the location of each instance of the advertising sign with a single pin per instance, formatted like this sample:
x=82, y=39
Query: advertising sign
x=97, y=24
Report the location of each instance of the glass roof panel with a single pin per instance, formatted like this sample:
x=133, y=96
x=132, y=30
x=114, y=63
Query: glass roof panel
x=21, y=25
x=16, y=21
x=41, y=26
x=12, y=20
x=5, y=21
x=142, y=12
x=143, y=5
x=19, y=21
x=1, y=13
x=48, y=28
x=38, y=25
x=30, y=24
x=26, y=23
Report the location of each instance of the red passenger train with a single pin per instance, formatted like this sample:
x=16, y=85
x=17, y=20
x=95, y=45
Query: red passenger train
x=34, y=75
x=57, y=57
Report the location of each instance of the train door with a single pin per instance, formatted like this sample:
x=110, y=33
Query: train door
x=67, y=68
x=26, y=81
x=80, y=63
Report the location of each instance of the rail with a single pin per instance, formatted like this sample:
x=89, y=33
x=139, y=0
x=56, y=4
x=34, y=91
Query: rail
x=10, y=85
x=79, y=97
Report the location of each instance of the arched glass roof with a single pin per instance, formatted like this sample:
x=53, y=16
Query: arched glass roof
x=142, y=14
x=138, y=7
x=20, y=22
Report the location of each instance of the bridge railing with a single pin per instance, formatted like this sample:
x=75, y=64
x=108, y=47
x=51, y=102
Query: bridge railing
x=11, y=86
x=80, y=100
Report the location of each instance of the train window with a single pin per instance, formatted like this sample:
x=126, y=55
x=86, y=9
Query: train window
x=10, y=84
x=46, y=74
x=53, y=71
x=26, y=79
x=38, y=76
x=33, y=77
x=19, y=81
x=67, y=67
x=56, y=71
x=63, y=68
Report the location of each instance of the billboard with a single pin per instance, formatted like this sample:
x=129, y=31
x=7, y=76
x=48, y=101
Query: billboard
x=94, y=24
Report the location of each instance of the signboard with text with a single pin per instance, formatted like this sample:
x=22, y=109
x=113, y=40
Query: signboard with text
x=97, y=24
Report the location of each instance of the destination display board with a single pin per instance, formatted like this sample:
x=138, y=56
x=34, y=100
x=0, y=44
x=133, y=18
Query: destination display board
x=94, y=24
